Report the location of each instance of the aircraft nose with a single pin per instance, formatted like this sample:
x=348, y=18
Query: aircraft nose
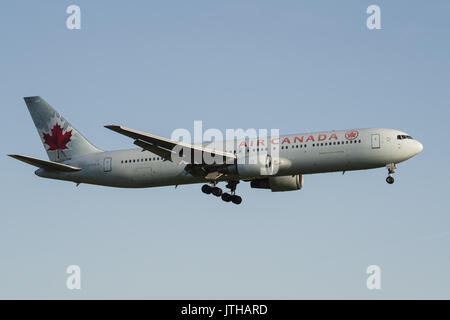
x=419, y=147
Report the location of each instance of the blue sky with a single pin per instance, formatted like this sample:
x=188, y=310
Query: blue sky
x=293, y=65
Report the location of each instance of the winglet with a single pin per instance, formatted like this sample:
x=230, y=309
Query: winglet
x=112, y=127
x=115, y=128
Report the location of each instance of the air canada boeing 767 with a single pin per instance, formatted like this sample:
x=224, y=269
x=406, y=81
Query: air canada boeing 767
x=274, y=163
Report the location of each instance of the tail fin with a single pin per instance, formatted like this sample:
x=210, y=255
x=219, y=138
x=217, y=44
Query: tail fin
x=60, y=139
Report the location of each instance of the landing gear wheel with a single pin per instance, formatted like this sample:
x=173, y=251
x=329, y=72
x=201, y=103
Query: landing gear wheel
x=206, y=189
x=216, y=191
x=236, y=199
x=391, y=170
x=390, y=180
x=226, y=197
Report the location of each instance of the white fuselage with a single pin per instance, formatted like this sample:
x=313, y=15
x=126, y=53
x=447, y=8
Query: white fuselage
x=305, y=153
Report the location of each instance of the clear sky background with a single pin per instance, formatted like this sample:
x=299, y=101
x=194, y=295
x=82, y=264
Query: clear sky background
x=293, y=65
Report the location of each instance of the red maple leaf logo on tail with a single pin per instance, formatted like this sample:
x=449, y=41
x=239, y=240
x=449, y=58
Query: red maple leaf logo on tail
x=57, y=140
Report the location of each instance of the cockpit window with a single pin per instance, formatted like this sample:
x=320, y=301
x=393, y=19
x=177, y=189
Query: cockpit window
x=403, y=136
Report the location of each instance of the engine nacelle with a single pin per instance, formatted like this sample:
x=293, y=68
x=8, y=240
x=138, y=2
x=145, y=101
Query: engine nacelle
x=279, y=183
x=256, y=166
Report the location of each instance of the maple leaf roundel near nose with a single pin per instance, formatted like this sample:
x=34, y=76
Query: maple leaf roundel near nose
x=57, y=140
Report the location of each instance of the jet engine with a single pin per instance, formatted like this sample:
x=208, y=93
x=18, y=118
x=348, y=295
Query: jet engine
x=256, y=166
x=279, y=183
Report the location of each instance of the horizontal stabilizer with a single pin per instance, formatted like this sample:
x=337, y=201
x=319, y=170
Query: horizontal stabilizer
x=44, y=164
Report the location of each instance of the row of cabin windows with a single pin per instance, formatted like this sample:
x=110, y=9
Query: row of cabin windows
x=335, y=143
x=304, y=145
x=141, y=160
x=323, y=144
x=294, y=146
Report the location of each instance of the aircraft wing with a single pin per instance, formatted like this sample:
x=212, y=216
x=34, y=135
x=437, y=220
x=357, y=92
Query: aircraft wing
x=167, y=148
x=44, y=164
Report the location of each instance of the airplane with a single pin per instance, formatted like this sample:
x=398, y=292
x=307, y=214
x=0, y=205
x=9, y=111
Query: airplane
x=274, y=163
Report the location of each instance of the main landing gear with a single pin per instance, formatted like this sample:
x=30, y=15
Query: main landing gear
x=391, y=169
x=212, y=190
x=227, y=197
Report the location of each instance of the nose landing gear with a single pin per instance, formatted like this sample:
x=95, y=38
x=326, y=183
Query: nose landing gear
x=390, y=179
x=391, y=169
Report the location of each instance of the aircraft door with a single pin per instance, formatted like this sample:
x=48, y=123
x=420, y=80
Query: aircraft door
x=376, y=141
x=107, y=164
